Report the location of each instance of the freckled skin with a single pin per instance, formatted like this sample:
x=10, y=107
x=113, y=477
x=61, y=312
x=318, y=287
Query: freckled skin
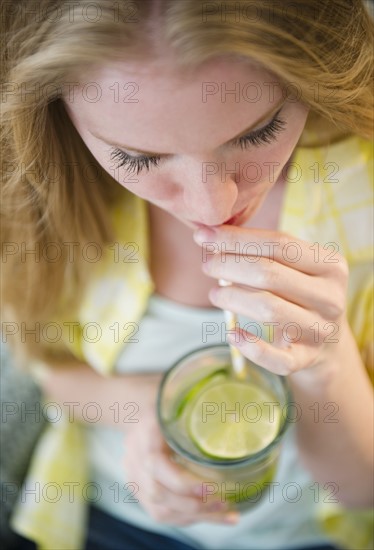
x=164, y=111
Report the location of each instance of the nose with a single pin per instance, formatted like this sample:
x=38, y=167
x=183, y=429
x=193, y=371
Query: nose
x=209, y=202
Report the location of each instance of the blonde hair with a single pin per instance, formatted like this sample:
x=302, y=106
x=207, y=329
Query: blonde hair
x=323, y=50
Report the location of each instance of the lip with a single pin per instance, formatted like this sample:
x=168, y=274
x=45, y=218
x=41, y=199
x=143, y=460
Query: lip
x=230, y=221
x=235, y=217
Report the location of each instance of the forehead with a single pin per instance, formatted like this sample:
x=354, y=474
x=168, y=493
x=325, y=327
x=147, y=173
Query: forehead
x=157, y=106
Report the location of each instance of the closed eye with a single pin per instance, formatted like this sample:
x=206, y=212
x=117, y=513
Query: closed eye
x=133, y=164
x=259, y=137
x=262, y=135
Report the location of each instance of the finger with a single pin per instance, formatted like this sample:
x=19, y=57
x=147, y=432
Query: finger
x=311, y=258
x=289, y=321
x=228, y=518
x=177, y=479
x=308, y=291
x=159, y=465
x=163, y=514
x=279, y=361
x=166, y=506
x=159, y=495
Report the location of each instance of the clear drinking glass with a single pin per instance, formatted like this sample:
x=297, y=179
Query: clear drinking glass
x=241, y=482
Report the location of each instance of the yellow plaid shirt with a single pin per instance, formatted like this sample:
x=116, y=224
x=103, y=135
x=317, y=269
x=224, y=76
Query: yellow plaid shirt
x=328, y=199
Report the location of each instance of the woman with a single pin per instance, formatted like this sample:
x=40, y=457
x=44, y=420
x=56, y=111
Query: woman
x=135, y=132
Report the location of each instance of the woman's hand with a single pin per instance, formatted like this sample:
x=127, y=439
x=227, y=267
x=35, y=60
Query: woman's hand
x=296, y=288
x=166, y=490
x=300, y=289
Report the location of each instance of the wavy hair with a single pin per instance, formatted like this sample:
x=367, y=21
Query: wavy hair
x=323, y=50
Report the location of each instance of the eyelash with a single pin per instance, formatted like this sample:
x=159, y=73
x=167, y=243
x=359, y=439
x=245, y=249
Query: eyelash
x=133, y=164
x=258, y=137
x=263, y=135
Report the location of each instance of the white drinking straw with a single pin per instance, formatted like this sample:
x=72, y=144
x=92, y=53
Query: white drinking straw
x=237, y=359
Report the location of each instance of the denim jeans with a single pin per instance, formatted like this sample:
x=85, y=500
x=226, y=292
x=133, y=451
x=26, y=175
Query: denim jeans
x=108, y=533
x=105, y=532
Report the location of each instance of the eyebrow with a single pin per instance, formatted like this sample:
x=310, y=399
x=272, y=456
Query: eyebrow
x=243, y=133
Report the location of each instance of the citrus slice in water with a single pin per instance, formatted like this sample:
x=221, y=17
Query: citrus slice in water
x=232, y=420
x=194, y=391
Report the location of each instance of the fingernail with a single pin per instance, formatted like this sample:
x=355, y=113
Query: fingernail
x=231, y=518
x=204, y=235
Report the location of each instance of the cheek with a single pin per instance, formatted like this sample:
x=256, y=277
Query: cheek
x=256, y=174
x=151, y=187
x=155, y=188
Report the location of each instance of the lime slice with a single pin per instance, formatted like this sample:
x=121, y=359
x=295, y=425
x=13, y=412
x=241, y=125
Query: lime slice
x=195, y=390
x=230, y=420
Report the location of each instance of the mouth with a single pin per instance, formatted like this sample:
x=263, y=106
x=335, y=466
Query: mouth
x=234, y=220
